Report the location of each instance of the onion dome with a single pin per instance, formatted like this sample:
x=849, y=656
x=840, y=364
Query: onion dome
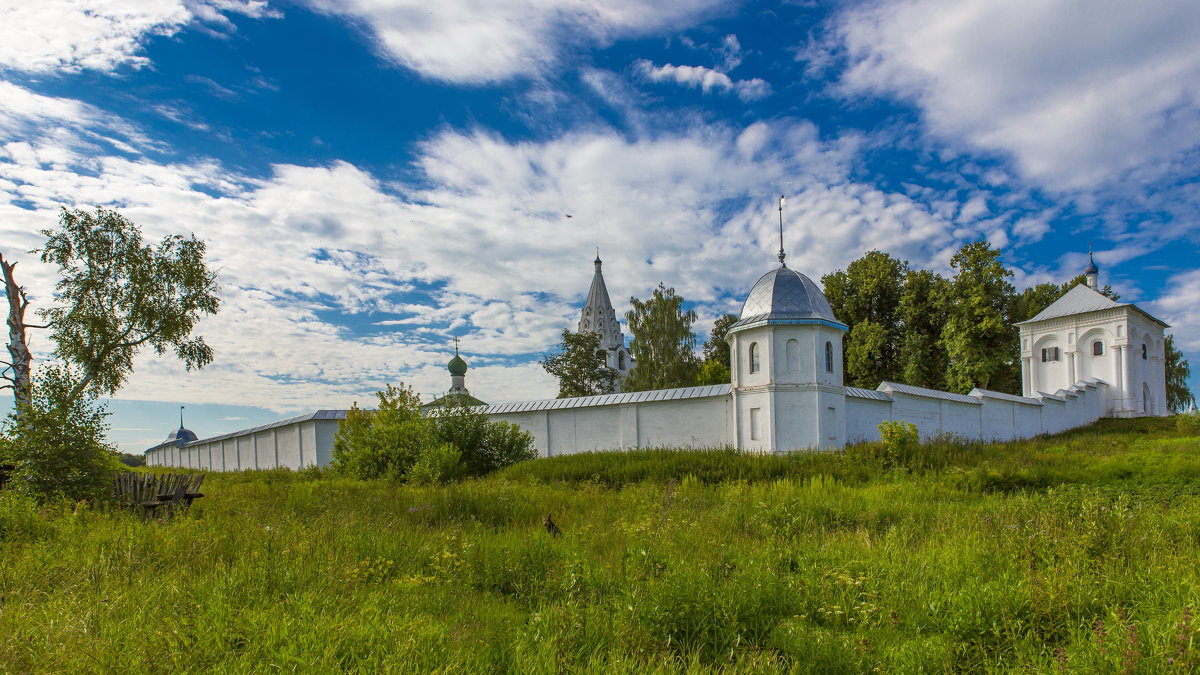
x=1091, y=268
x=457, y=366
x=785, y=296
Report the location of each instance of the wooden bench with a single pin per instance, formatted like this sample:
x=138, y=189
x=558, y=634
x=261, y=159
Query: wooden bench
x=153, y=491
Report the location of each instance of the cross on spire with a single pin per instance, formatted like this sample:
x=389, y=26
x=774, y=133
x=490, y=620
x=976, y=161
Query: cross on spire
x=456, y=345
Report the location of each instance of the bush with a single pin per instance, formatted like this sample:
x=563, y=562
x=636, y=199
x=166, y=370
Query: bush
x=900, y=442
x=485, y=445
x=1188, y=423
x=56, y=444
x=397, y=442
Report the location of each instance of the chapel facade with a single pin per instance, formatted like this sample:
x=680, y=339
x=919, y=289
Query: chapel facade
x=1085, y=335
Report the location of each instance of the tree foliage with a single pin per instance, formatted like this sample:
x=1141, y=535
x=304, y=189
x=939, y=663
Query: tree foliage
x=55, y=441
x=580, y=366
x=922, y=314
x=977, y=337
x=1179, y=395
x=869, y=292
x=663, y=344
x=713, y=372
x=117, y=294
x=396, y=442
x=715, y=368
x=716, y=348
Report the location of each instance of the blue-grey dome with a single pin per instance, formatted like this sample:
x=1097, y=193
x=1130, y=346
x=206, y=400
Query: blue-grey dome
x=181, y=436
x=784, y=296
x=1091, y=268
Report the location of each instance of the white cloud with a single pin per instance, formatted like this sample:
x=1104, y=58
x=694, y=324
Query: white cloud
x=63, y=35
x=1180, y=307
x=1077, y=92
x=336, y=282
x=706, y=80
x=483, y=41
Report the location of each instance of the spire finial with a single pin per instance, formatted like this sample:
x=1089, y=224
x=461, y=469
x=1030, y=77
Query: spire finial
x=782, y=255
x=456, y=345
x=180, y=417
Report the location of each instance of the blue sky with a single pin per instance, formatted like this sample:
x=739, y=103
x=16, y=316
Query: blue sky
x=374, y=177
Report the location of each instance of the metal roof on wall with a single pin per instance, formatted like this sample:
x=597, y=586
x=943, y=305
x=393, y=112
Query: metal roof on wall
x=608, y=399
x=872, y=394
x=318, y=415
x=927, y=393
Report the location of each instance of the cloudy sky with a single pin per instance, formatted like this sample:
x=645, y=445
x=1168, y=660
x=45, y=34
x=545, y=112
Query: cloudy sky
x=373, y=177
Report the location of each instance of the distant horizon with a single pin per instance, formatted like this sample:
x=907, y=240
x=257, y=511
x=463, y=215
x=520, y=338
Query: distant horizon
x=375, y=179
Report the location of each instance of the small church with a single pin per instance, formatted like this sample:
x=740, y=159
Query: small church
x=1084, y=357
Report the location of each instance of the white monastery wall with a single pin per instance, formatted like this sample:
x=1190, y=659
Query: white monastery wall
x=689, y=417
x=295, y=444
x=1098, y=357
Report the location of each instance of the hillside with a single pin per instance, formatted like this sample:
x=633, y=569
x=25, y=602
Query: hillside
x=1072, y=553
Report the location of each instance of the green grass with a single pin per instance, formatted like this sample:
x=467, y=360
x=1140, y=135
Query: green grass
x=1075, y=553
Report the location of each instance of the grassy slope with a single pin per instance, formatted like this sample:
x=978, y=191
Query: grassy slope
x=1077, y=552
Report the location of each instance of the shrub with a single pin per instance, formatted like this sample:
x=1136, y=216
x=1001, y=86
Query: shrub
x=56, y=443
x=900, y=442
x=485, y=445
x=395, y=441
x=436, y=463
x=1188, y=423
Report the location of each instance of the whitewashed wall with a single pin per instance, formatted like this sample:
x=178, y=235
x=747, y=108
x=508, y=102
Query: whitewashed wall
x=694, y=423
x=294, y=444
x=697, y=417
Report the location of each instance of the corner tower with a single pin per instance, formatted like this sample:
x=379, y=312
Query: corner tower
x=600, y=318
x=786, y=367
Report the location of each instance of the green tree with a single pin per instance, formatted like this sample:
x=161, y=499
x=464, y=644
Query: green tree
x=580, y=366
x=712, y=372
x=869, y=290
x=1179, y=396
x=663, y=344
x=977, y=336
x=56, y=442
x=715, y=367
x=1031, y=301
x=716, y=348
x=867, y=348
x=922, y=314
x=117, y=295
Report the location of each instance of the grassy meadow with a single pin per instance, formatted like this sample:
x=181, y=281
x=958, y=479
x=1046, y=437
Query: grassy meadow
x=1077, y=553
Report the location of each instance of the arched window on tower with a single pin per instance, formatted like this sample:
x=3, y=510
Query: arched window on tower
x=754, y=357
x=829, y=357
x=1097, y=348
x=1144, y=351
x=621, y=360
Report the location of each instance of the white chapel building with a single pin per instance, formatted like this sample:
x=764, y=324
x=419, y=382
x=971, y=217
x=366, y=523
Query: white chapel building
x=1085, y=336
x=1084, y=357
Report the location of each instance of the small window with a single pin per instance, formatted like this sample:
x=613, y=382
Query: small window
x=1097, y=348
x=1049, y=354
x=755, y=429
x=621, y=360
x=829, y=357
x=754, y=357
x=1144, y=351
